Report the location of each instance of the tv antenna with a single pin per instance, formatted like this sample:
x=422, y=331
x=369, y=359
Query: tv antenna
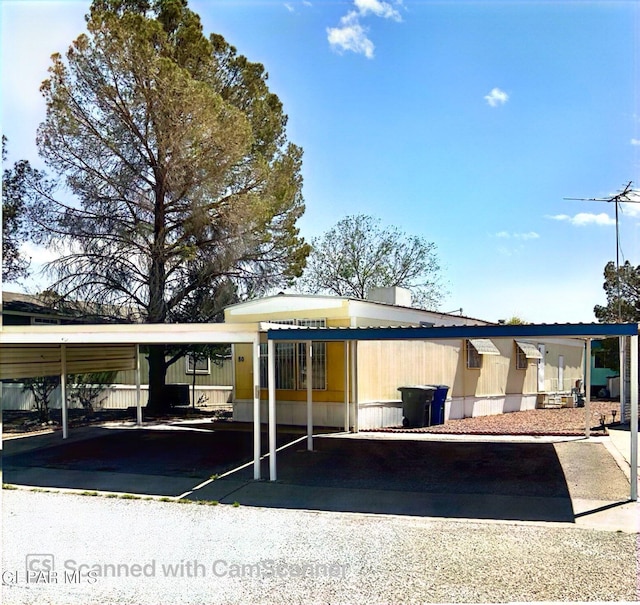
x=621, y=196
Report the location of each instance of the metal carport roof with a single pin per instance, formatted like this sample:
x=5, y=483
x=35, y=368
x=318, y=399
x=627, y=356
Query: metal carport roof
x=583, y=331
x=137, y=334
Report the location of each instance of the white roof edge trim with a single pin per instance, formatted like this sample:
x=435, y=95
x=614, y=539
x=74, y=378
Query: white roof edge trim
x=234, y=333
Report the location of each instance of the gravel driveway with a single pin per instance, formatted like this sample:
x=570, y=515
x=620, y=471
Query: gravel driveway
x=288, y=556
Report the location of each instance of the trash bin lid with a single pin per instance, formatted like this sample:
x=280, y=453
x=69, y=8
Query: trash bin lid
x=418, y=387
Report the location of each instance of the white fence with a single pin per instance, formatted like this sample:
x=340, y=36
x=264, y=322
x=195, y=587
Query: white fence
x=114, y=397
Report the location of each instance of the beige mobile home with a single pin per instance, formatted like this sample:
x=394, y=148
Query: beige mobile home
x=484, y=376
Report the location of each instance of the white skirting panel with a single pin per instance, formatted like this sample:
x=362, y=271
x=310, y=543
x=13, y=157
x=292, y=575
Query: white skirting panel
x=380, y=414
x=470, y=407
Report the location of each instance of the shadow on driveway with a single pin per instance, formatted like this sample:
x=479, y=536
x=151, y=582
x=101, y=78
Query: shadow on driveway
x=135, y=461
x=509, y=481
x=475, y=479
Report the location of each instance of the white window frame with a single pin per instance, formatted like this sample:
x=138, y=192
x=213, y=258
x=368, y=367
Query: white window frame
x=522, y=361
x=191, y=367
x=473, y=357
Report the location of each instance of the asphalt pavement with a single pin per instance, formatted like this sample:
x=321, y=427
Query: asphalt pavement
x=561, y=480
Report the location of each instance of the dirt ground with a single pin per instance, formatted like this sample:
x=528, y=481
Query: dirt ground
x=17, y=421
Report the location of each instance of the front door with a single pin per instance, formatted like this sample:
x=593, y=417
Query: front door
x=543, y=350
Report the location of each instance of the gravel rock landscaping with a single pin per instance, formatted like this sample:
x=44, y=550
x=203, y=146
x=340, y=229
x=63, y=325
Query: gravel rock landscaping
x=554, y=421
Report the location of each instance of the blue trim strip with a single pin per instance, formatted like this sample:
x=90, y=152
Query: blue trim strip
x=445, y=332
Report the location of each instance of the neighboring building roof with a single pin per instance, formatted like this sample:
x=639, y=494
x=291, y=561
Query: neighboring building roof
x=46, y=304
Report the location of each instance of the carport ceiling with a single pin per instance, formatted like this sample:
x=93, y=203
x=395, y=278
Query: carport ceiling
x=27, y=351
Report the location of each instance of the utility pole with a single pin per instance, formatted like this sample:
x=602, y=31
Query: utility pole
x=621, y=196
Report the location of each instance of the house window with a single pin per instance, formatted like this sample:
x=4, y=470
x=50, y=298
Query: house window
x=197, y=365
x=476, y=349
x=474, y=359
x=285, y=365
x=599, y=359
x=291, y=361
x=44, y=321
x=318, y=365
x=525, y=353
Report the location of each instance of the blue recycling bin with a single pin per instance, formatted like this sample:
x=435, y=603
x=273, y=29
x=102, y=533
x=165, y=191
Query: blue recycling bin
x=437, y=405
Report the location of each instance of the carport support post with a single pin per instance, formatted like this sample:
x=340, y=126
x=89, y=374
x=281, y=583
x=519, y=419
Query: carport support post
x=346, y=386
x=634, y=417
x=587, y=389
x=309, y=396
x=271, y=365
x=621, y=387
x=256, y=409
x=354, y=385
x=138, y=394
x=63, y=390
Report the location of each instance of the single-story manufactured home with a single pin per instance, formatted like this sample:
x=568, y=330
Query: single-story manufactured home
x=484, y=376
x=77, y=348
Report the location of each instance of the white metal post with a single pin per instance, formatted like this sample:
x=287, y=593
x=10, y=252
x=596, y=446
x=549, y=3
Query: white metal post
x=354, y=383
x=587, y=390
x=634, y=417
x=138, y=390
x=271, y=362
x=309, y=347
x=346, y=385
x=623, y=356
x=63, y=390
x=256, y=408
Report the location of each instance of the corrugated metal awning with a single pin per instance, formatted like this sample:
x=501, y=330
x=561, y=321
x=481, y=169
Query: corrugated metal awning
x=31, y=361
x=484, y=346
x=529, y=349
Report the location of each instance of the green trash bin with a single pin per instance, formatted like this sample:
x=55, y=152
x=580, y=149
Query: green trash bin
x=416, y=405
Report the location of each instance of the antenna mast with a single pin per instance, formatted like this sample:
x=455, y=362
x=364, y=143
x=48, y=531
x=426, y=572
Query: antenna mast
x=621, y=196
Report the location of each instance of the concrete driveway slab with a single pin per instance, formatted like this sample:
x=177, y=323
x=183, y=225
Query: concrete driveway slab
x=567, y=481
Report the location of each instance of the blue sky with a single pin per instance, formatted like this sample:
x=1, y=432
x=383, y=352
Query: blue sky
x=464, y=122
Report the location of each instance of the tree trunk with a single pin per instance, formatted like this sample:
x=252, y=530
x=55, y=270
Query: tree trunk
x=158, y=402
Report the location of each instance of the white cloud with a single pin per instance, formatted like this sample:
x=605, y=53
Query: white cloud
x=496, y=97
x=585, y=218
x=38, y=254
x=635, y=141
x=380, y=9
x=351, y=35
x=289, y=7
x=521, y=236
